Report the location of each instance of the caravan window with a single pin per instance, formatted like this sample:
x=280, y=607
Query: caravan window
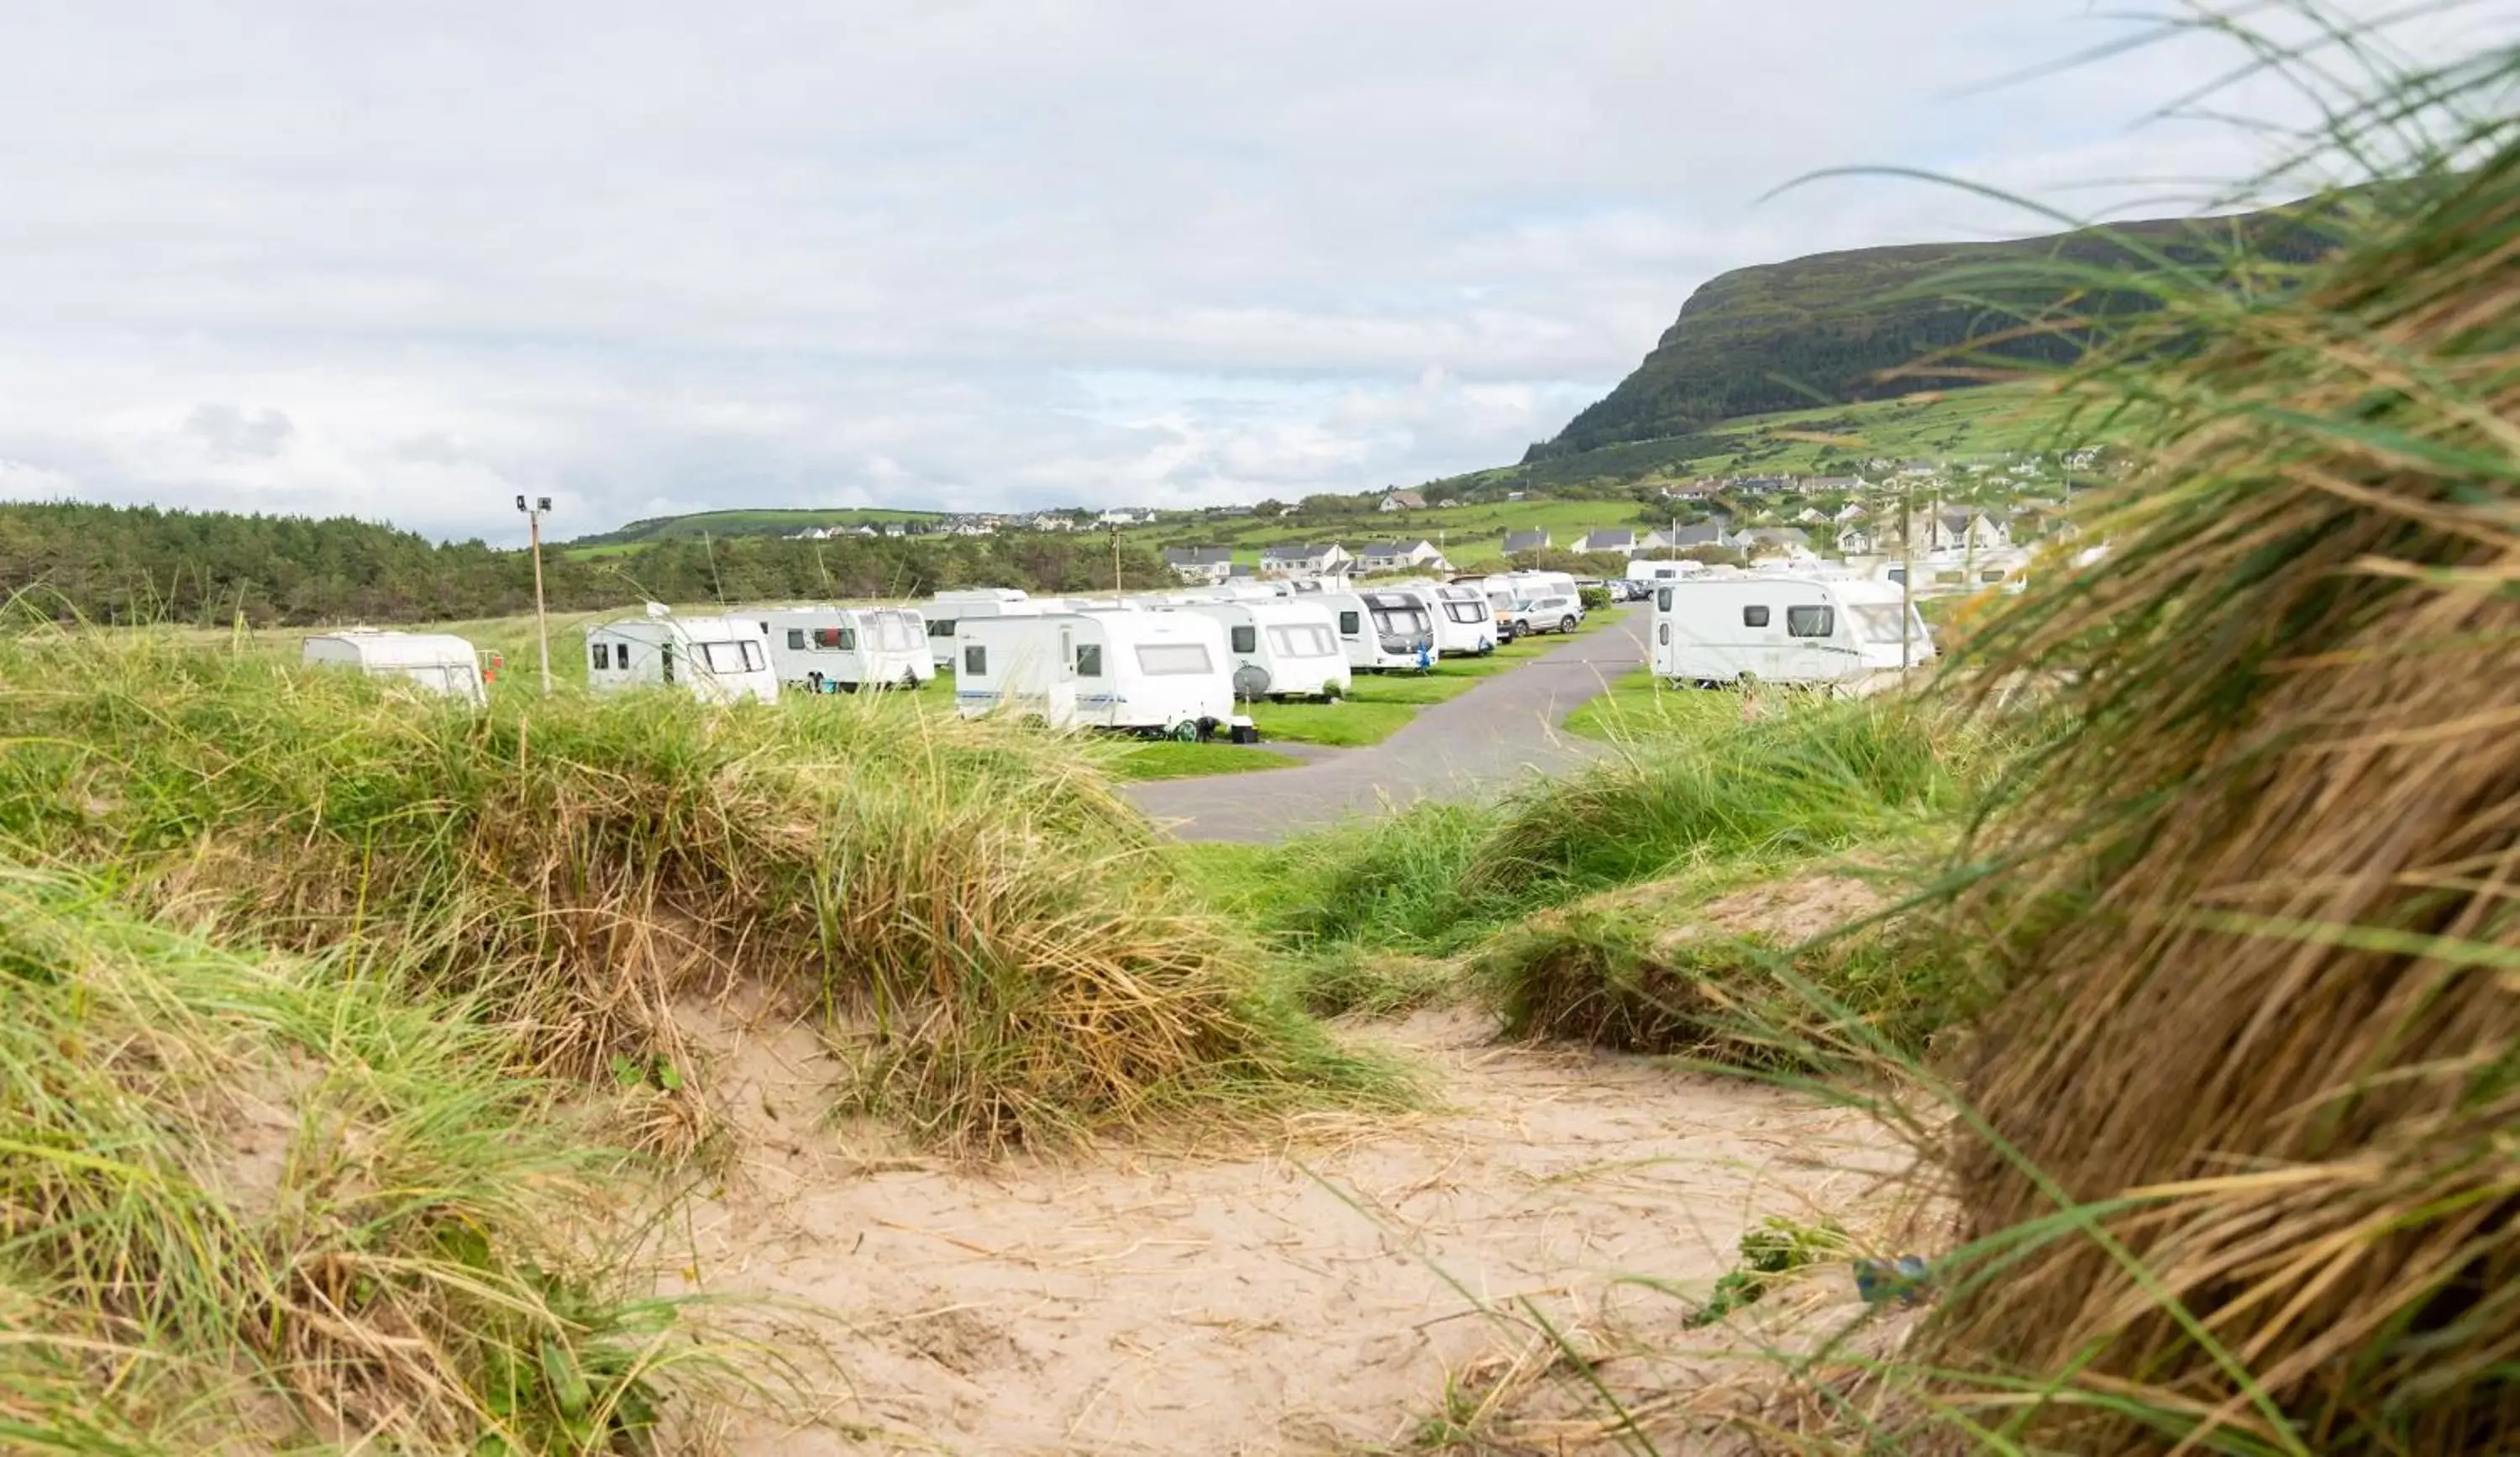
x=1303, y=640
x=1467, y=612
x=1399, y=621
x=1246, y=639
x=621, y=656
x=1810, y=622
x=797, y=639
x=975, y=660
x=1348, y=624
x=1089, y=659
x=730, y=658
x=846, y=639
x=892, y=632
x=1754, y=617
x=1990, y=576
x=941, y=627
x=1662, y=599
x=1663, y=634
x=603, y=656
x=1172, y=660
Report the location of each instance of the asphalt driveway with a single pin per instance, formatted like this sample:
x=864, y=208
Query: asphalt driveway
x=1478, y=745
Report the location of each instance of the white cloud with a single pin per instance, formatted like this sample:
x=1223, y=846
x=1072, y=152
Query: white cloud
x=409, y=262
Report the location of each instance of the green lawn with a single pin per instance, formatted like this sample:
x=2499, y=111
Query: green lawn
x=1164, y=760
x=1640, y=706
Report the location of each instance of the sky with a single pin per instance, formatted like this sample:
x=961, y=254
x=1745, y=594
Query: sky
x=407, y=261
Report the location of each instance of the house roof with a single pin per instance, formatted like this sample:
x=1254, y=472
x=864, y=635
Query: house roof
x=1405, y=498
x=1381, y=549
x=1241, y=569
x=1526, y=541
x=1701, y=533
x=1832, y=484
x=1197, y=556
x=1780, y=535
x=1295, y=551
x=1609, y=541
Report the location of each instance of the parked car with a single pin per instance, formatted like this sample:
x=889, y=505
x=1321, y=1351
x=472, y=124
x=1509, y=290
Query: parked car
x=1558, y=611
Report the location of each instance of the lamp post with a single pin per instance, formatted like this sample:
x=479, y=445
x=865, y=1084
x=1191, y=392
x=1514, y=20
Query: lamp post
x=534, y=513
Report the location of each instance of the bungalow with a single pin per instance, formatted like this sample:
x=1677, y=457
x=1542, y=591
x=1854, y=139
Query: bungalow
x=1811, y=516
x=1124, y=516
x=1713, y=531
x=1399, y=500
x=1200, y=563
x=1617, y=541
x=1854, y=540
x=1791, y=542
x=1948, y=530
x=1852, y=511
x=1403, y=555
x=1518, y=542
x=1825, y=485
x=1304, y=559
x=1764, y=486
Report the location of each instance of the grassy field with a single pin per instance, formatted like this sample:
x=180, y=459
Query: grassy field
x=1470, y=536
x=749, y=521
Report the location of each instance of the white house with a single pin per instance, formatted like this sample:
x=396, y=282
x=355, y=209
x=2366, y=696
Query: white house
x=1125, y=517
x=1197, y=564
x=1400, y=500
x=1403, y=555
x=1777, y=541
x=1518, y=542
x=1618, y=541
x=1304, y=559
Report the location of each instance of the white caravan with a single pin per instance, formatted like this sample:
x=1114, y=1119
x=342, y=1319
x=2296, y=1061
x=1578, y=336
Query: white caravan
x=1151, y=672
x=1382, y=631
x=1464, y=620
x=946, y=610
x=1280, y=650
x=1782, y=629
x=1642, y=571
x=715, y=659
x=839, y=648
x=438, y=663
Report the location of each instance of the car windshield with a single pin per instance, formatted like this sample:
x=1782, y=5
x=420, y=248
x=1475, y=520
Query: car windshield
x=1399, y=621
x=1303, y=640
x=1879, y=623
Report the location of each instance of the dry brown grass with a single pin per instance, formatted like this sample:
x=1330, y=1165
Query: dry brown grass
x=2281, y=1042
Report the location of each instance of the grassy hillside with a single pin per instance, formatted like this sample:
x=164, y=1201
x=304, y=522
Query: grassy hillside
x=765, y=521
x=1784, y=335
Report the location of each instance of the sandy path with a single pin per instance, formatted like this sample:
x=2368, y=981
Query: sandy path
x=1285, y=1301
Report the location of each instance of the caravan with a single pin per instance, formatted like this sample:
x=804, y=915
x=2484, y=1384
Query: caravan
x=1464, y=620
x=838, y=649
x=1280, y=650
x=438, y=663
x=1154, y=673
x=1783, y=629
x=716, y=659
x=1382, y=631
x=946, y=611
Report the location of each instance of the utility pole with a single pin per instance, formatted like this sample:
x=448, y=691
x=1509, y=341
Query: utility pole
x=1906, y=579
x=542, y=626
x=1115, y=559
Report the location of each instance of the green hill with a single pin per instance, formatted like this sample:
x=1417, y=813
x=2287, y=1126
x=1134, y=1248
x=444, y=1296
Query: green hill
x=765, y=521
x=1822, y=329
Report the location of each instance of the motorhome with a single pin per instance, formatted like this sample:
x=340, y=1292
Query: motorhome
x=946, y=610
x=715, y=659
x=1783, y=629
x=1153, y=674
x=841, y=649
x=1642, y=570
x=1464, y=620
x=1280, y=649
x=1382, y=631
x=438, y=663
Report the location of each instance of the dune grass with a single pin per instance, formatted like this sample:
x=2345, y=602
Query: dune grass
x=982, y=925
x=267, y=1195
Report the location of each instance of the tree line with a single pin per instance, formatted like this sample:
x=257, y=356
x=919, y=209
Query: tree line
x=72, y=562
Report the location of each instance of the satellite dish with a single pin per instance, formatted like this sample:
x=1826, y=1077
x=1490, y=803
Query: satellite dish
x=1251, y=682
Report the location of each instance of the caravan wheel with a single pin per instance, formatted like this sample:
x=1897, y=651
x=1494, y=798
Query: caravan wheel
x=1186, y=732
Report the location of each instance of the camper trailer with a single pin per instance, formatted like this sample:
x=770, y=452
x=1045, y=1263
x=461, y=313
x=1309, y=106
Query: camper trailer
x=438, y=663
x=1464, y=620
x=715, y=659
x=840, y=650
x=1280, y=650
x=1642, y=571
x=1783, y=629
x=945, y=612
x=1381, y=631
x=1151, y=673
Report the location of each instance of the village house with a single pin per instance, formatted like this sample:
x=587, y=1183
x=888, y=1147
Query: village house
x=1403, y=555
x=1400, y=500
x=1790, y=542
x=1201, y=564
x=1305, y=560
x=1518, y=542
x=1615, y=540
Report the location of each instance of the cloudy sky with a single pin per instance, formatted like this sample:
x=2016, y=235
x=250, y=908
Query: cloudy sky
x=404, y=261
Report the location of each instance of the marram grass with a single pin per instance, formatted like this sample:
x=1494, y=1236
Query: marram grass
x=984, y=927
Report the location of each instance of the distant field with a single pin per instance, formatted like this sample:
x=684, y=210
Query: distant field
x=1469, y=536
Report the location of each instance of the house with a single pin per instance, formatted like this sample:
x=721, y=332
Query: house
x=1953, y=531
x=1518, y=495
x=1127, y=515
x=1811, y=516
x=1242, y=571
x=1518, y=542
x=1764, y=486
x=1398, y=500
x=1305, y=560
x=1827, y=485
x=1200, y=563
x=1050, y=521
x=1852, y=511
x=1777, y=541
x=1403, y=555
x=1917, y=468
x=1713, y=531
x=1855, y=541
x=1618, y=541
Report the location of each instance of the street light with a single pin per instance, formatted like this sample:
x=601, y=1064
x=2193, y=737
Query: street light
x=542, y=626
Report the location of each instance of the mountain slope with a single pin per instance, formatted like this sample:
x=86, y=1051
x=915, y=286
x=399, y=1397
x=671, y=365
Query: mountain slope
x=1821, y=329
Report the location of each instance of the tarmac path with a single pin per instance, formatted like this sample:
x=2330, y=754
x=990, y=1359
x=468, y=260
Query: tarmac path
x=1478, y=745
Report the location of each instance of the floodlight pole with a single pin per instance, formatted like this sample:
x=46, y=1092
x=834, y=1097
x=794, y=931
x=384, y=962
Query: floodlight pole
x=542, y=623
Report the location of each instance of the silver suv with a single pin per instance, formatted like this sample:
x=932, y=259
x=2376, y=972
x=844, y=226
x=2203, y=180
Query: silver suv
x=1552, y=614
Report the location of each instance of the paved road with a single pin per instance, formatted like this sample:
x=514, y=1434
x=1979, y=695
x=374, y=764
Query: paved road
x=1476, y=744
